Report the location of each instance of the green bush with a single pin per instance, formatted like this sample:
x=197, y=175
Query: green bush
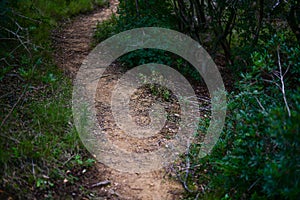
x=281, y=173
x=258, y=154
x=152, y=13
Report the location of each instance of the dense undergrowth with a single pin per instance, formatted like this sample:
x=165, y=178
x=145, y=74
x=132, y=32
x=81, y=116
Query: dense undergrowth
x=149, y=15
x=40, y=151
x=257, y=156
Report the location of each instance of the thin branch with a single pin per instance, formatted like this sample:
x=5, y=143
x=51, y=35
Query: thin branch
x=205, y=99
x=4, y=95
x=260, y=20
x=15, y=75
x=20, y=38
x=8, y=39
x=253, y=184
x=273, y=82
x=33, y=169
x=137, y=7
x=286, y=71
x=10, y=138
x=197, y=196
x=6, y=62
x=70, y=158
x=14, y=106
x=282, y=83
x=259, y=103
x=188, y=165
x=102, y=183
x=22, y=16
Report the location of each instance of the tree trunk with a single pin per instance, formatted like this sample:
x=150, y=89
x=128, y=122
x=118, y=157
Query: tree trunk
x=294, y=19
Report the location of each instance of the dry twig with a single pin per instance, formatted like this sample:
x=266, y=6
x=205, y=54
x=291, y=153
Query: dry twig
x=14, y=106
x=187, y=171
x=102, y=183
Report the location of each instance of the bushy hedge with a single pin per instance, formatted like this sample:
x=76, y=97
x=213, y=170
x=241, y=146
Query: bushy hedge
x=258, y=155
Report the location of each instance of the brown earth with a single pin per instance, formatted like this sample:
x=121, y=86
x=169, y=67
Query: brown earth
x=72, y=44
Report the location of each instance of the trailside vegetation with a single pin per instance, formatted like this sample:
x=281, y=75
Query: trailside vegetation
x=41, y=155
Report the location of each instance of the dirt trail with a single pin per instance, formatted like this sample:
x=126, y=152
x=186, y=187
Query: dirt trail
x=73, y=41
x=72, y=44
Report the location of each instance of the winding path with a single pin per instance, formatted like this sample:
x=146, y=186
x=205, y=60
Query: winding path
x=72, y=44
